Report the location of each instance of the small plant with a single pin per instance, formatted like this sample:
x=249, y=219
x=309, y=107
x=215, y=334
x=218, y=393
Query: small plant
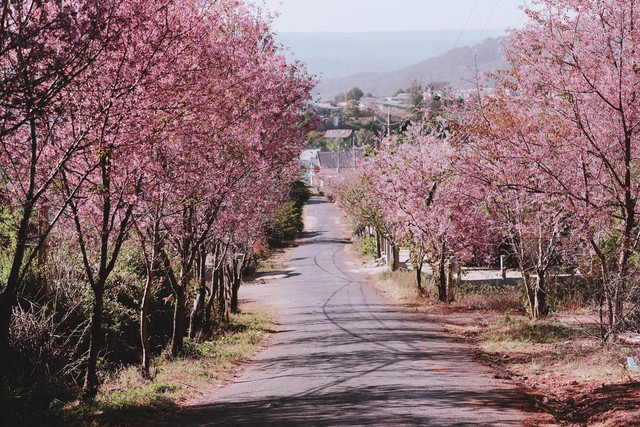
x=163, y=388
x=369, y=247
x=506, y=318
x=533, y=332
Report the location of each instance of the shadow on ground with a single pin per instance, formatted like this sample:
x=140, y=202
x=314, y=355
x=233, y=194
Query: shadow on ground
x=357, y=406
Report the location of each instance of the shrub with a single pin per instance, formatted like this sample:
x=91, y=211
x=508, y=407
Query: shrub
x=369, y=247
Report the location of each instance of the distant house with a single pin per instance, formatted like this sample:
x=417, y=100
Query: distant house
x=404, y=97
x=436, y=90
x=307, y=155
x=338, y=133
x=323, y=108
x=388, y=109
x=328, y=164
x=339, y=160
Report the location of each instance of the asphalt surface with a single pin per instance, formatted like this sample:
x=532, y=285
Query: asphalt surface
x=342, y=355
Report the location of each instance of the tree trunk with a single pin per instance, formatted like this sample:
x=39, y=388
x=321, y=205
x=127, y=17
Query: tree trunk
x=95, y=344
x=208, y=313
x=7, y=301
x=9, y=295
x=451, y=270
x=395, y=250
x=43, y=253
x=540, y=308
x=144, y=324
x=228, y=285
x=604, y=297
x=621, y=284
x=150, y=264
x=536, y=295
x=620, y=287
x=419, y=277
x=442, y=278
x=235, y=285
x=222, y=301
x=234, y=295
x=179, y=314
x=197, y=313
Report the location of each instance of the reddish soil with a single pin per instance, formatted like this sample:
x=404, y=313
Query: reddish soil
x=571, y=402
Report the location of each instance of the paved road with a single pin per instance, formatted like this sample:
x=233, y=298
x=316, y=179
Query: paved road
x=343, y=355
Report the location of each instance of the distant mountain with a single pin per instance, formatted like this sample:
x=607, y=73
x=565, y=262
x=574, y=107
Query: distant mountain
x=455, y=67
x=329, y=55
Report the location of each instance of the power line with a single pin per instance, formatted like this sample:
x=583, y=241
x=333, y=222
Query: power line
x=488, y=19
x=526, y=5
x=466, y=23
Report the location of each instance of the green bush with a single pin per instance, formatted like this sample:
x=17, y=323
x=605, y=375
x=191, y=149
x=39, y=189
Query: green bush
x=369, y=247
x=286, y=223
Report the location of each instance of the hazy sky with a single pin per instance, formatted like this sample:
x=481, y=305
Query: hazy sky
x=393, y=15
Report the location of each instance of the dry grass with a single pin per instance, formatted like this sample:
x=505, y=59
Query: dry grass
x=502, y=299
x=555, y=351
x=277, y=260
x=128, y=399
x=582, y=380
x=400, y=286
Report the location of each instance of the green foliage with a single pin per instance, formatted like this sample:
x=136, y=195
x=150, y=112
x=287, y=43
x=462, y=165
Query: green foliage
x=299, y=193
x=335, y=144
x=351, y=110
x=48, y=336
x=316, y=139
x=286, y=223
x=369, y=247
x=365, y=137
x=415, y=90
x=354, y=94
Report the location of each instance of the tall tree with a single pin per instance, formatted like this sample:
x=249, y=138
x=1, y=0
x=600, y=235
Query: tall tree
x=46, y=47
x=574, y=69
x=118, y=99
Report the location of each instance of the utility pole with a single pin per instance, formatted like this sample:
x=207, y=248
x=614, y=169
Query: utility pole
x=353, y=149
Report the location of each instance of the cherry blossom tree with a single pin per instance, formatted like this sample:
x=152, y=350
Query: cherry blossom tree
x=46, y=47
x=420, y=189
x=240, y=113
x=118, y=102
x=574, y=72
x=498, y=175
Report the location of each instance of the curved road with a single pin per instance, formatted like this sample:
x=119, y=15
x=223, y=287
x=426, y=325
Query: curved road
x=342, y=355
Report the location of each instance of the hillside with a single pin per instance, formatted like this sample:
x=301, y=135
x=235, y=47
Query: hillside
x=455, y=67
x=330, y=55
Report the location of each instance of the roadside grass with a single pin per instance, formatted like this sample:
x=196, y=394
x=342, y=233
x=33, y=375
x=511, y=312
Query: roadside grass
x=274, y=259
x=530, y=332
x=126, y=398
x=400, y=286
x=502, y=299
x=556, y=351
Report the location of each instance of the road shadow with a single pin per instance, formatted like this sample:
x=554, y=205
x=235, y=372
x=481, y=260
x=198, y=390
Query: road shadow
x=278, y=274
x=327, y=241
x=360, y=406
x=341, y=362
x=311, y=234
x=317, y=200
